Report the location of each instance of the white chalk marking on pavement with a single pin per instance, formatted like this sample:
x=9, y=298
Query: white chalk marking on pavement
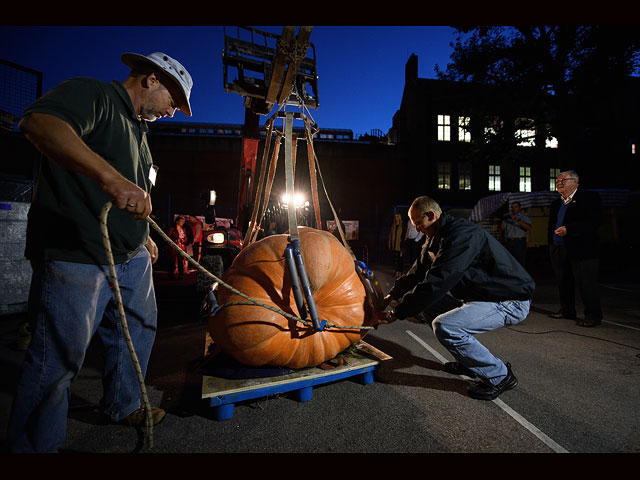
x=620, y=325
x=425, y=345
x=506, y=408
x=529, y=426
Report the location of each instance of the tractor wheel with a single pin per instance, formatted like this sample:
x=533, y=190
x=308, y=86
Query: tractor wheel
x=215, y=265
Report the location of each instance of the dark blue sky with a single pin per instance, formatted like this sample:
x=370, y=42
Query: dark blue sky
x=360, y=68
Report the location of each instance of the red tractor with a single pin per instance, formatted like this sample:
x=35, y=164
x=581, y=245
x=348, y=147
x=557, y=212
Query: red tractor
x=221, y=242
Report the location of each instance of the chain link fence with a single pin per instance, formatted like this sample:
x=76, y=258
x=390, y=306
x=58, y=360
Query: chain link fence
x=19, y=87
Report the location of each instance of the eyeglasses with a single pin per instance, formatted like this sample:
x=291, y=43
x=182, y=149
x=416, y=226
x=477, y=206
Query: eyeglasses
x=564, y=180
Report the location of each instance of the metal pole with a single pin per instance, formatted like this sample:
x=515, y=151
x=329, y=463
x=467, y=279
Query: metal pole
x=294, y=240
x=295, y=282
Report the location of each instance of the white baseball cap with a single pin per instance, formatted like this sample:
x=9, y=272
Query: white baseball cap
x=172, y=68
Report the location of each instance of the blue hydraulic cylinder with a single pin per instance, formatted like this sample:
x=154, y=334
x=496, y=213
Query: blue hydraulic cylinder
x=295, y=282
x=306, y=287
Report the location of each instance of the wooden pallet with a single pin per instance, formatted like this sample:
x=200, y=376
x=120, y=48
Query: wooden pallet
x=222, y=394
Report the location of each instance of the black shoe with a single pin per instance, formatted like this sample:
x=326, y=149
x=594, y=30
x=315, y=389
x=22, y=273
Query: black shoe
x=482, y=391
x=456, y=368
x=588, y=322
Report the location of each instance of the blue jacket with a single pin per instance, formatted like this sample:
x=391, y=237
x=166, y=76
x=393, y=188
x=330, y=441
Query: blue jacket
x=464, y=259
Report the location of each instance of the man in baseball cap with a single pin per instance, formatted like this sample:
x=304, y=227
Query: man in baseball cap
x=177, y=78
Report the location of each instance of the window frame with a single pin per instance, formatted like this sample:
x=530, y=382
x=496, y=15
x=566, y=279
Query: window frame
x=444, y=128
x=495, y=180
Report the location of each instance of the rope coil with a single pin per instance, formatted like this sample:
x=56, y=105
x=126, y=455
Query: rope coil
x=123, y=320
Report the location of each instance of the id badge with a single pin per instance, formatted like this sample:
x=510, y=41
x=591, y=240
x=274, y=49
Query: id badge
x=153, y=173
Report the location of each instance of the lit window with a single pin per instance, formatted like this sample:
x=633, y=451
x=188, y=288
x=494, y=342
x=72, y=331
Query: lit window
x=525, y=179
x=525, y=132
x=553, y=174
x=633, y=149
x=494, y=177
x=444, y=176
x=525, y=137
x=464, y=134
x=464, y=176
x=444, y=128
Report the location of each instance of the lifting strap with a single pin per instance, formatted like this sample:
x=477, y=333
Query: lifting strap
x=272, y=174
x=252, y=232
x=312, y=173
x=263, y=165
x=314, y=159
x=374, y=295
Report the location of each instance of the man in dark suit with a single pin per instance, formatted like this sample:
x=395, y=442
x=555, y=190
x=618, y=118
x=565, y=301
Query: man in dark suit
x=574, y=248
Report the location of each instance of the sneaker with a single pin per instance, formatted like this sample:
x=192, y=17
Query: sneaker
x=483, y=391
x=456, y=368
x=138, y=417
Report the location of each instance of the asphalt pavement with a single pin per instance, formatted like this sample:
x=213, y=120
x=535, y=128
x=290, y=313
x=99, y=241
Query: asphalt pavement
x=578, y=389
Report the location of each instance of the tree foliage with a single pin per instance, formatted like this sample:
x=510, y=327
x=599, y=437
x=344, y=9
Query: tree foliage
x=563, y=76
x=556, y=60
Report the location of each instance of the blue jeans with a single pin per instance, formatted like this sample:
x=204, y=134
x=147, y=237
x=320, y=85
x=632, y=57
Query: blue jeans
x=68, y=304
x=455, y=330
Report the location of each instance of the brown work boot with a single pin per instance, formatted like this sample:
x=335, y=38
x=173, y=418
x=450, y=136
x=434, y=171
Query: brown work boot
x=138, y=417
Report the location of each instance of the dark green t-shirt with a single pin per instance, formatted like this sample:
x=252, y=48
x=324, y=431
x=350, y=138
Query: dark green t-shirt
x=64, y=219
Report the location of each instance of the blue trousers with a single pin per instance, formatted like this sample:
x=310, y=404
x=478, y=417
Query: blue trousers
x=68, y=304
x=456, y=328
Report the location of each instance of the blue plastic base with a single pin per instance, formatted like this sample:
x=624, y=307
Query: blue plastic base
x=223, y=405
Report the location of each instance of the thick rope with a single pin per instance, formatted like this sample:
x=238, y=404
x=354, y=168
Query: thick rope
x=118, y=297
x=123, y=320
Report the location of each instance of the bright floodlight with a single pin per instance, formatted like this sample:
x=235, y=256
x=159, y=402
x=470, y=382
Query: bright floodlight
x=298, y=200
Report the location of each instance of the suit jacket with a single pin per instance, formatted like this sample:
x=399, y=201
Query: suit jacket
x=582, y=220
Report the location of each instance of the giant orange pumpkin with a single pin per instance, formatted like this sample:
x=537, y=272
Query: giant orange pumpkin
x=256, y=336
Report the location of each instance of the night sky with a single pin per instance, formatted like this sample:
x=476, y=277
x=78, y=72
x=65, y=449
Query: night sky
x=360, y=68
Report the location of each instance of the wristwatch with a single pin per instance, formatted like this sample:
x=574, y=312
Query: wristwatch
x=391, y=316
